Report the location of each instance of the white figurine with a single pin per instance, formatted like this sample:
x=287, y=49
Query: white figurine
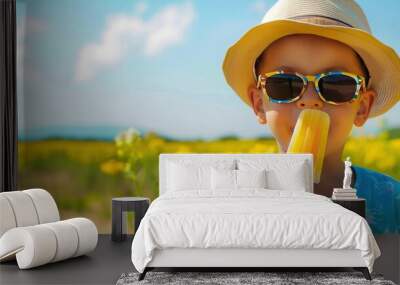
x=347, y=174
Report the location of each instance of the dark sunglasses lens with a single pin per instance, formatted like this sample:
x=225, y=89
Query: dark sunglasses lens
x=283, y=87
x=338, y=88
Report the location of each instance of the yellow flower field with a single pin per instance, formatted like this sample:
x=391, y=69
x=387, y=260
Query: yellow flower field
x=83, y=176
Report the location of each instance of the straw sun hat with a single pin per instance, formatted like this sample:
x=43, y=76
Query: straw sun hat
x=341, y=20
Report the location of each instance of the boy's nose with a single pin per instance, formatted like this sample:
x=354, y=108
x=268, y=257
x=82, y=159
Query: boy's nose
x=310, y=98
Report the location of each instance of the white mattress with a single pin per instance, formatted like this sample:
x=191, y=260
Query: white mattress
x=252, y=218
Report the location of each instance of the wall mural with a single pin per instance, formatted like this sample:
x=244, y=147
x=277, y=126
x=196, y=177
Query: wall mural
x=104, y=87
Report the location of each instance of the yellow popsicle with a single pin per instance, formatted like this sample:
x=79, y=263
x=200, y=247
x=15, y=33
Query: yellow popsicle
x=310, y=135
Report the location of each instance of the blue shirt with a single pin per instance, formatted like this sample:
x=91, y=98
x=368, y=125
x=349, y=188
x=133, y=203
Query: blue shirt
x=382, y=195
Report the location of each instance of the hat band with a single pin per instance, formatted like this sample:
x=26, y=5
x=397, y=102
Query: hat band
x=319, y=19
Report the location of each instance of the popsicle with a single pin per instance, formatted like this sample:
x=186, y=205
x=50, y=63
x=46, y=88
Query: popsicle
x=310, y=135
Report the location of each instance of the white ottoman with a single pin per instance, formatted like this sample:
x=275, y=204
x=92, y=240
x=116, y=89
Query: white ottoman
x=31, y=232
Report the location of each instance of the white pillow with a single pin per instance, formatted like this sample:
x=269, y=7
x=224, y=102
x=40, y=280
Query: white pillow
x=189, y=175
x=285, y=174
x=183, y=177
x=223, y=178
x=237, y=179
x=251, y=178
x=294, y=179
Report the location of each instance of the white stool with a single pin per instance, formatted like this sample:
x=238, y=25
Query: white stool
x=31, y=230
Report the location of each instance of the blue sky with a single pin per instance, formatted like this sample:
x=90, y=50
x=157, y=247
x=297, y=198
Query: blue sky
x=151, y=65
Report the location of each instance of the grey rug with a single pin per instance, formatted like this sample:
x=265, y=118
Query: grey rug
x=228, y=278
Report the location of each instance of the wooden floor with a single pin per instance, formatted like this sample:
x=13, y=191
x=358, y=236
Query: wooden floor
x=102, y=266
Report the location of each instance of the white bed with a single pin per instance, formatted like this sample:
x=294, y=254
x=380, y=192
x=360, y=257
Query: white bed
x=284, y=225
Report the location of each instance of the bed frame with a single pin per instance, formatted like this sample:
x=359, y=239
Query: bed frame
x=246, y=259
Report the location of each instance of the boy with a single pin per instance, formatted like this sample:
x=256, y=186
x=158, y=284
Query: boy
x=313, y=38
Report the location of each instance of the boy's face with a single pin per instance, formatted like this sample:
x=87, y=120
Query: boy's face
x=309, y=54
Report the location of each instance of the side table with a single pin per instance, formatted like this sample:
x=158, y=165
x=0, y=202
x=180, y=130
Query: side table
x=120, y=206
x=355, y=205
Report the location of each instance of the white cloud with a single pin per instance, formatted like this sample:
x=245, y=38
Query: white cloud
x=130, y=33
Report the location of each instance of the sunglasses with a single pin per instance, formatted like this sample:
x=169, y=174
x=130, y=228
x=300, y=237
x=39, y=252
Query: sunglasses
x=334, y=87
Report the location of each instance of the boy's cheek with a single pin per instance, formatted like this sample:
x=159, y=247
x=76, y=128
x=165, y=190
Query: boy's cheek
x=342, y=117
x=282, y=115
x=279, y=123
x=341, y=124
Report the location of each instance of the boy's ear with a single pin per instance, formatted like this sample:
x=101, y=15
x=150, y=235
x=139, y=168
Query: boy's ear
x=366, y=101
x=255, y=97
